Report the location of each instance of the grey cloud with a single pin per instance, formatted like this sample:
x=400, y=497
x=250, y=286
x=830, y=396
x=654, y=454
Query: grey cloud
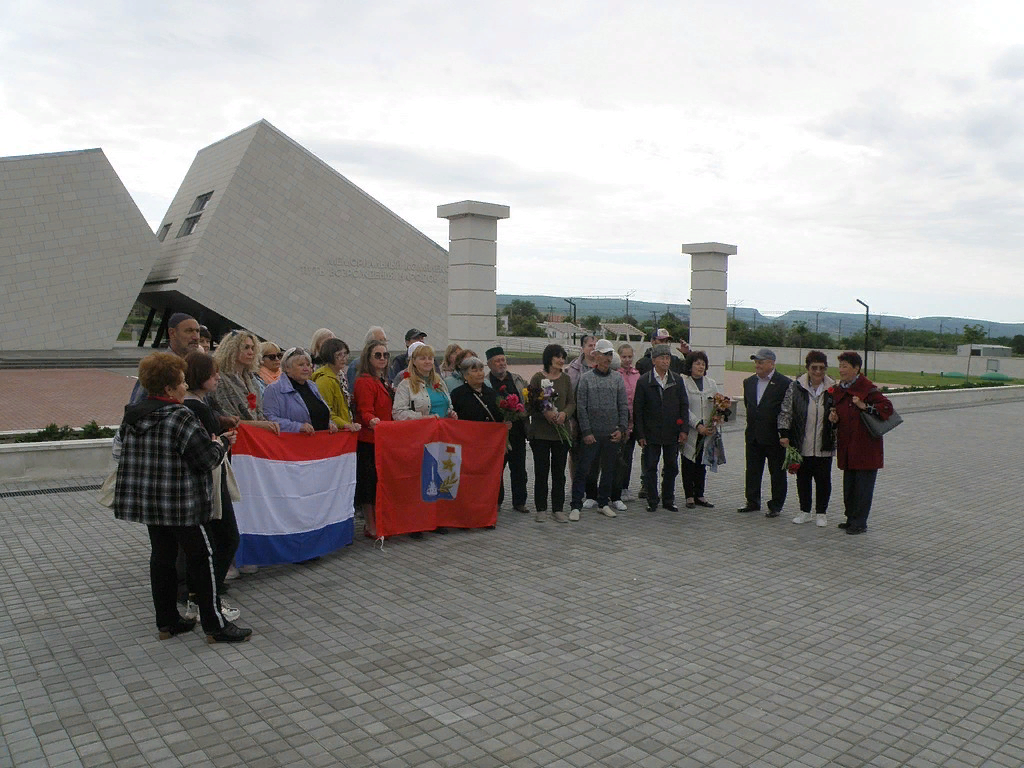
x=463, y=173
x=1009, y=65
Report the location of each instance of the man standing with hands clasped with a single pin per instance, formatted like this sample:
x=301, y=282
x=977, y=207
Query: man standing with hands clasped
x=604, y=417
x=763, y=394
x=661, y=422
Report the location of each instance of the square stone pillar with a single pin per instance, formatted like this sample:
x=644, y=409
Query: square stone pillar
x=709, y=269
x=472, y=272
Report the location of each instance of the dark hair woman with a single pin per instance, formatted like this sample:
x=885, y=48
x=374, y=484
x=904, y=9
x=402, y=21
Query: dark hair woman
x=700, y=396
x=858, y=454
x=164, y=481
x=550, y=451
x=803, y=422
x=374, y=398
x=201, y=378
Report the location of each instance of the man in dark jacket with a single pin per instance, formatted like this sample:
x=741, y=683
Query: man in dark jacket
x=763, y=394
x=661, y=424
x=505, y=383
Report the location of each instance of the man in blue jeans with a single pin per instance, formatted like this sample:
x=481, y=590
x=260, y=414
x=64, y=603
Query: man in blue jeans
x=603, y=418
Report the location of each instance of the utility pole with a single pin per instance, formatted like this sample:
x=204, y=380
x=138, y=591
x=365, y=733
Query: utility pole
x=867, y=319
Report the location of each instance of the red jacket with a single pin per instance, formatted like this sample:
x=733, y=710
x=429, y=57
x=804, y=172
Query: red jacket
x=373, y=399
x=856, y=448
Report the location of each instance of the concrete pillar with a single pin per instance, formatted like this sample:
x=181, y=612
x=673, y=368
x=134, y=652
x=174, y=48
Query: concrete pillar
x=709, y=269
x=472, y=272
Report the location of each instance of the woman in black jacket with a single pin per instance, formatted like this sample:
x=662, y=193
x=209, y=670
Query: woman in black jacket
x=803, y=422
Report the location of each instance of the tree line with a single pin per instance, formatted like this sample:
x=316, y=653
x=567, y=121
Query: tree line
x=524, y=319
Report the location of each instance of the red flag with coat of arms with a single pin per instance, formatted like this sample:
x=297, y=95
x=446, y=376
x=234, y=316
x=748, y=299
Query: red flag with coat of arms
x=435, y=473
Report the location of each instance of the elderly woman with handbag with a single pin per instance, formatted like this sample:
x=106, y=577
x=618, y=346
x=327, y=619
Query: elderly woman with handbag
x=858, y=452
x=164, y=481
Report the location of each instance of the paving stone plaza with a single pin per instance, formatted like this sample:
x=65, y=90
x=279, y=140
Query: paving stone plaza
x=703, y=638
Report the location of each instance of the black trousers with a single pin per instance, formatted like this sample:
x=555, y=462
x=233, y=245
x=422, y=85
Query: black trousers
x=774, y=455
x=224, y=533
x=515, y=460
x=195, y=540
x=858, y=491
x=694, y=477
x=625, y=469
x=603, y=454
x=549, y=457
x=652, y=454
x=819, y=470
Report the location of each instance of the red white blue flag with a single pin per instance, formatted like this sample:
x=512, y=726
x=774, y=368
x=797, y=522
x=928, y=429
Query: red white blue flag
x=297, y=492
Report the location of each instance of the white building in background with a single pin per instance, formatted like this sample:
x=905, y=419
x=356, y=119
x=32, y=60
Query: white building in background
x=74, y=252
x=264, y=235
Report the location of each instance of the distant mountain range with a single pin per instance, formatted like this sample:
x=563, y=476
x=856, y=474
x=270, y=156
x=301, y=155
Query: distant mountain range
x=826, y=322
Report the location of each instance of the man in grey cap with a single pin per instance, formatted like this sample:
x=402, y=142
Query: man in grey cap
x=762, y=397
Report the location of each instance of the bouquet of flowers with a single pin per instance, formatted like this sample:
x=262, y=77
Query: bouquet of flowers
x=512, y=408
x=721, y=405
x=793, y=460
x=541, y=399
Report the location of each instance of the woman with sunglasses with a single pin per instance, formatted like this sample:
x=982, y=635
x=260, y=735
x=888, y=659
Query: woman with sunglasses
x=374, y=399
x=295, y=403
x=803, y=422
x=270, y=363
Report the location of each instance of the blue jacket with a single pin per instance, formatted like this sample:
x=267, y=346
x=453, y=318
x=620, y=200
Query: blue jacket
x=281, y=403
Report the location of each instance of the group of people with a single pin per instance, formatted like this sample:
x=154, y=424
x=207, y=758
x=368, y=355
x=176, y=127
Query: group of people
x=584, y=416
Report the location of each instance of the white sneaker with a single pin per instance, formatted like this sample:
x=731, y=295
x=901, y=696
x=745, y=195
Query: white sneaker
x=803, y=517
x=820, y=521
x=618, y=505
x=627, y=495
x=574, y=515
x=589, y=503
x=232, y=574
x=249, y=569
x=228, y=612
x=607, y=511
x=191, y=611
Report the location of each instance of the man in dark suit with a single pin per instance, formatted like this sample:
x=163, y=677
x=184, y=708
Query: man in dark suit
x=661, y=421
x=762, y=397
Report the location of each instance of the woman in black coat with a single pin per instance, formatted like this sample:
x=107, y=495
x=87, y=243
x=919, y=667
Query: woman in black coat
x=474, y=401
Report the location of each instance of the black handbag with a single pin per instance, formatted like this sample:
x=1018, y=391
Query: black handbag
x=877, y=426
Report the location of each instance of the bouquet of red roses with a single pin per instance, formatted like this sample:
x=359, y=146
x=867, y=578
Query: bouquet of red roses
x=512, y=408
x=793, y=460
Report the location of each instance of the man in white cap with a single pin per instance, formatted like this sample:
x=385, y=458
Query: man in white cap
x=763, y=394
x=603, y=417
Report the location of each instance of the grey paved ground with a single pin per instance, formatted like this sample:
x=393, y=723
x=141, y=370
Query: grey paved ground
x=705, y=638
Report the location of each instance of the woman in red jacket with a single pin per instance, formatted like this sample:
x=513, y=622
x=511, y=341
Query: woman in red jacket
x=373, y=401
x=858, y=454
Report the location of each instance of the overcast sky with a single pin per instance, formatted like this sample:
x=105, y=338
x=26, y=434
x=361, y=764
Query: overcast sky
x=869, y=150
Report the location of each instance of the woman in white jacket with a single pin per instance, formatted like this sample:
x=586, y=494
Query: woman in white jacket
x=421, y=393
x=700, y=394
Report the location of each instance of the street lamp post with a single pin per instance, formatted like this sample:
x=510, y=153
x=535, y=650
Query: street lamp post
x=867, y=318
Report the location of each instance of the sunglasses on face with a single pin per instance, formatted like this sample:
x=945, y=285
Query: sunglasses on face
x=381, y=355
x=278, y=356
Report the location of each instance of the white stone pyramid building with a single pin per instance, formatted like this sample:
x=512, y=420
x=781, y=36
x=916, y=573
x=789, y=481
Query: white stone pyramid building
x=263, y=234
x=74, y=252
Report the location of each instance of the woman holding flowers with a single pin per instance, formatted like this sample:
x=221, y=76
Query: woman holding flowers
x=804, y=426
x=421, y=393
x=706, y=406
x=551, y=405
x=858, y=454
